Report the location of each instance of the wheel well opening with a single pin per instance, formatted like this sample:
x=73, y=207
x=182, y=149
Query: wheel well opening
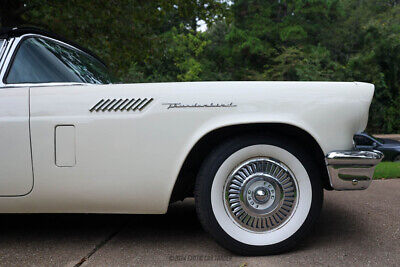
x=184, y=185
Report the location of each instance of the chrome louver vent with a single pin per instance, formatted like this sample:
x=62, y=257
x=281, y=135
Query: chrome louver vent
x=127, y=104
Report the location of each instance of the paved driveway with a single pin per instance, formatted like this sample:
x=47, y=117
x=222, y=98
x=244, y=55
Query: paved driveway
x=356, y=228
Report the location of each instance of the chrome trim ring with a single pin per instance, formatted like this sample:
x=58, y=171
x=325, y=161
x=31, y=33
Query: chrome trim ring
x=261, y=194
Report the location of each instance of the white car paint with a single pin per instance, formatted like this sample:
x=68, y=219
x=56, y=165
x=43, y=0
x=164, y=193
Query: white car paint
x=16, y=177
x=128, y=161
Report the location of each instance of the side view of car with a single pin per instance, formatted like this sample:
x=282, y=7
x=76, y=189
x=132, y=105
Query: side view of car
x=255, y=155
x=389, y=147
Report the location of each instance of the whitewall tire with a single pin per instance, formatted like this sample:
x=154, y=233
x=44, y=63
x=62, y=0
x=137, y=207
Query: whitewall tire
x=258, y=194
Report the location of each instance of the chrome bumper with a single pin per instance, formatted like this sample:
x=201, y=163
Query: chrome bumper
x=352, y=170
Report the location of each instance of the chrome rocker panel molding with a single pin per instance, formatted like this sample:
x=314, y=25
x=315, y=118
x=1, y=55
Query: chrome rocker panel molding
x=352, y=169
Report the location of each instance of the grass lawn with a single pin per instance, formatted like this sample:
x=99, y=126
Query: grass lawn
x=387, y=170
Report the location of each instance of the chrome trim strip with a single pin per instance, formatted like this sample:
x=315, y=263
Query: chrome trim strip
x=12, y=44
x=3, y=48
x=13, y=85
x=352, y=169
x=5, y=58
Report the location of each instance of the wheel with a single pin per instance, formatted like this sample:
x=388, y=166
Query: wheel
x=258, y=194
x=396, y=159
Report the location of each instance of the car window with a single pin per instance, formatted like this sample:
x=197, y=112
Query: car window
x=40, y=60
x=362, y=140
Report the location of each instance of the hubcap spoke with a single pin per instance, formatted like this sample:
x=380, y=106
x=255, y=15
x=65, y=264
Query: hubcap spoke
x=260, y=194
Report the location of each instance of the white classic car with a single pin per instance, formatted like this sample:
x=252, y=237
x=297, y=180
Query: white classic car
x=255, y=155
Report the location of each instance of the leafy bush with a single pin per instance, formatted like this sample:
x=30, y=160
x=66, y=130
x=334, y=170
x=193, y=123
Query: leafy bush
x=307, y=40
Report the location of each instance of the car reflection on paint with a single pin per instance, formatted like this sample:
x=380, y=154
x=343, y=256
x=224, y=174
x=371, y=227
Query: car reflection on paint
x=389, y=147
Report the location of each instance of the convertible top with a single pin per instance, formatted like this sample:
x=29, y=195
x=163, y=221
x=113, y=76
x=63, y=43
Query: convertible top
x=8, y=32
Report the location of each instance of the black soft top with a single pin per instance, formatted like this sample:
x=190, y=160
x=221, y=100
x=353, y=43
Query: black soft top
x=7, y=32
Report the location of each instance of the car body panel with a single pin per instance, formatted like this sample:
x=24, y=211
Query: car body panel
x=128, y=161
x=16, y=177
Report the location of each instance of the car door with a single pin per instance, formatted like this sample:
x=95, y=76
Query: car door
x=16, y=176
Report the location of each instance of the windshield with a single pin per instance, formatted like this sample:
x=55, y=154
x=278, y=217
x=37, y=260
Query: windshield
x=374, y=138
x=40, y=60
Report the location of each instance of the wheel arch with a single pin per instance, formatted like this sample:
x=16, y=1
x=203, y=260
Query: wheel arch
x=185, y=181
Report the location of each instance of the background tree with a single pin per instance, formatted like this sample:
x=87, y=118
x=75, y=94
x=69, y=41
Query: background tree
x=160, y=40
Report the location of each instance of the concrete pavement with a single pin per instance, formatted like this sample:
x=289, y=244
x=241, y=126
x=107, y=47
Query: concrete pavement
x=355, y=228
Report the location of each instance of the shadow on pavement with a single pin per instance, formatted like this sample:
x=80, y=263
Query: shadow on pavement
x=180, y=223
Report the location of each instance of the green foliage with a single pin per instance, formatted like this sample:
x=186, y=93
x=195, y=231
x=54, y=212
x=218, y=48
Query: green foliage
x=387, y=170
x=293, y=33
x=186, y=50
x=177, y=58
x=307, y=40
x=310, y=64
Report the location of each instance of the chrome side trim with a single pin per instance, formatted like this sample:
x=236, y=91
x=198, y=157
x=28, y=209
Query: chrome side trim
x=352, y=169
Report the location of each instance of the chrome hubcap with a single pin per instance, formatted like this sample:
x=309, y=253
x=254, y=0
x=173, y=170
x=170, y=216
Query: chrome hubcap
x=261, y=194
